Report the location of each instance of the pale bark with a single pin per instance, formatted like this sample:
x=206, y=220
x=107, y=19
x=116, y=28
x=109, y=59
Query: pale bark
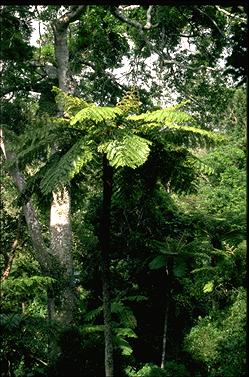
x=60, y=222
x=57, y=259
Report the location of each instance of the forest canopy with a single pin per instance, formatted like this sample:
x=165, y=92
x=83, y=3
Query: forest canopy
x=123, y=195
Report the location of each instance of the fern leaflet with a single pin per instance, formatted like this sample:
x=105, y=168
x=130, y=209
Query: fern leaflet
x=131, y=151
x=69, y=165
x=96, y=114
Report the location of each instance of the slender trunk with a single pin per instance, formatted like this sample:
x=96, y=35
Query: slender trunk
x=168, y=270
x=105, y=264
x=165, y=329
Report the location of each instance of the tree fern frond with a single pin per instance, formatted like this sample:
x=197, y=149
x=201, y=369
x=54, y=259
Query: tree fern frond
x=131, y=151
x=44, y=131
x=200, y=165
x=92, y=314
x=92, y=328
x=128, y=332
x=96, y=114
x=136, y=298
x=168, y=115
x=172, y=119
x=69, y=165
x=125, y=313
x=125, y=347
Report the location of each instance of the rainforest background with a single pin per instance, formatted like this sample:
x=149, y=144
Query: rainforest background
x=123, y=194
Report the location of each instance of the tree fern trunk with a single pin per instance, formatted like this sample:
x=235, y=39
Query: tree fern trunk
x=168, y=281
x=165, y=330
x=105, y=264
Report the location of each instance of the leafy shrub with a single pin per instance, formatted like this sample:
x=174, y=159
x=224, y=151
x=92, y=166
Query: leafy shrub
x=219, y=341
x=172, y=369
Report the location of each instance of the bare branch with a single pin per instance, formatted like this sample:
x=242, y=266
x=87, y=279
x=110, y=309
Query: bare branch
x=131, y=22
x=149, y=16
x=125, y=19
x=230, y=14
x=211, y=19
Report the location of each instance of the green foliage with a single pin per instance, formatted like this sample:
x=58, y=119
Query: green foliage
x=68, y=166
x=96, y=114
x=24, y=287
x=14, y=35
x=121, y=144
x=208, y=287
x=148, y=370
x=70, y=104
x=24, y=344
x=219, y=340
x=131, y=151
x=158, y=262
x=172, y=369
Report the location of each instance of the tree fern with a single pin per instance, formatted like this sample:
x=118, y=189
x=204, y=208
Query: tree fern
x=123, y=143
x=169, y=115
x=125, y=314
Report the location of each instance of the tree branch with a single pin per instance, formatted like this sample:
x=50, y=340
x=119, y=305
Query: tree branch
x=148, y=24
x=109, y=75
x=116, y=12
x=230, y=14
x=160, y=53
x=69, y=17
x=211, y=19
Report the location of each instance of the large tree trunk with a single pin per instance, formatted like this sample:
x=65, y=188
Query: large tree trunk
x=56, y=260
x=105, y=264
x=60, y=222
